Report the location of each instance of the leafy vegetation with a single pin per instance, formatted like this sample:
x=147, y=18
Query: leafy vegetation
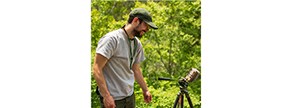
x=170, y=51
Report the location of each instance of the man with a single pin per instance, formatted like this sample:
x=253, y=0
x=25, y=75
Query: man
x=117, y=62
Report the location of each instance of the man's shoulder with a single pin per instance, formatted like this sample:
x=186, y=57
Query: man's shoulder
x=115, y=32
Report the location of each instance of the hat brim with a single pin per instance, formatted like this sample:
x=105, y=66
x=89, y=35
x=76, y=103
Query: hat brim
x=151, y=24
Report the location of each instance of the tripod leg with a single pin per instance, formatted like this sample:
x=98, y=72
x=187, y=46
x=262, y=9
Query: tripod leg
x=177, y=99
x=181, y=101
x=189, y=100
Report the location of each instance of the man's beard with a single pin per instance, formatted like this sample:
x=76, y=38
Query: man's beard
x=137, y=33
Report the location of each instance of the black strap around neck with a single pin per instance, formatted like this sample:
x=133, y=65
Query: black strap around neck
x=132, y=54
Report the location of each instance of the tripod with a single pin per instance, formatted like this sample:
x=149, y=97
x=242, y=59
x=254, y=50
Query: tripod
x=180, y=96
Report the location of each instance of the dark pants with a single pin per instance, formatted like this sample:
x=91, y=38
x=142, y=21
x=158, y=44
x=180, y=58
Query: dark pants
x=128, y=102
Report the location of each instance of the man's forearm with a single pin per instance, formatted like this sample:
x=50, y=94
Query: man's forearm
x=98, y=75
x=140, y=79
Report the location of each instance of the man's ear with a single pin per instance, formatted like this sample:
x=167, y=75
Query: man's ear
x=136, y=20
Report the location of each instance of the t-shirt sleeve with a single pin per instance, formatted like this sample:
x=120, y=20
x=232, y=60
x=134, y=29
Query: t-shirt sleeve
x=140, y=55
x=106, y=46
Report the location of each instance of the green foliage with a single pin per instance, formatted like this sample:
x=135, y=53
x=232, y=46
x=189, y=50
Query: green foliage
x=171, y=51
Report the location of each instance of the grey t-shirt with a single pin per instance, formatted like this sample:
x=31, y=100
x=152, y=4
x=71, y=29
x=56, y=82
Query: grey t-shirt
x=117, y=73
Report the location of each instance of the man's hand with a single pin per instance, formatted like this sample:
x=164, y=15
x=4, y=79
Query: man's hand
x=147, y=96
x=109, y=102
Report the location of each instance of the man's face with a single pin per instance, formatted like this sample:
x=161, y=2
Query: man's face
x=141, y=29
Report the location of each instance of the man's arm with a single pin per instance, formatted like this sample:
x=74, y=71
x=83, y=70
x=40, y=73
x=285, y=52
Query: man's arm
x=99, y=63
x=140, y=80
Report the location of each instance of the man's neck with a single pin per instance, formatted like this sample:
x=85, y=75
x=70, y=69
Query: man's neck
x=129, y=29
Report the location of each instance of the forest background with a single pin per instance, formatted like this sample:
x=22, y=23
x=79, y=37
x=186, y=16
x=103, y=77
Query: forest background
x=170, y=51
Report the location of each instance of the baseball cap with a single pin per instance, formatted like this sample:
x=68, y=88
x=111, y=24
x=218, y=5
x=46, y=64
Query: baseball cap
x=144, y=15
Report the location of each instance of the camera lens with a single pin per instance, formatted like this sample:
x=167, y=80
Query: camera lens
x=192, y=76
